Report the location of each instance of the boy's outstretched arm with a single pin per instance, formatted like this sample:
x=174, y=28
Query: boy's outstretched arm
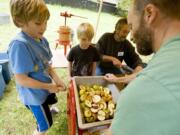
x=25, y=81
x=69, y=69
x=124, y=79
x=56, y=78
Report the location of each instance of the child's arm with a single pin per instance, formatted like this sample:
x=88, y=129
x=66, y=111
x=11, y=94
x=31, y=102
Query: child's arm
x=94, y=68
x=69, y=69
x=25, y=81
x=56, y=78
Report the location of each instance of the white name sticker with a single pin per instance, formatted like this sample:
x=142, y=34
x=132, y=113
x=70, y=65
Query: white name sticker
x=120, y=53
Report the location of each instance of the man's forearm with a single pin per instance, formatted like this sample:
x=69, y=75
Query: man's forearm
x=107, y=58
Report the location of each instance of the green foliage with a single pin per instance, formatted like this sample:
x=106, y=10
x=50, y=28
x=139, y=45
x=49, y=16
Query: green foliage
x=123, y=6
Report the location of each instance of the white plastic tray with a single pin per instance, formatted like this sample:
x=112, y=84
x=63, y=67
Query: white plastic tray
x=90, y=80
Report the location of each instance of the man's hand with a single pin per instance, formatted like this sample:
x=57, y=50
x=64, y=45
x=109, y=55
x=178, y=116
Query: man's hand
x=117, y=63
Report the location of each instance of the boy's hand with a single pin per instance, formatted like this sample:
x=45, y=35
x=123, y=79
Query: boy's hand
x=53, y=88
x=61, y=85
x=111, y=78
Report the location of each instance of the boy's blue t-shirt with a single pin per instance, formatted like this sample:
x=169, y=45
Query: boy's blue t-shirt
x=33, y=62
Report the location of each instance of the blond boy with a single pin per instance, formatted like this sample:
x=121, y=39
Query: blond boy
x=30, y=57
x=83, y=57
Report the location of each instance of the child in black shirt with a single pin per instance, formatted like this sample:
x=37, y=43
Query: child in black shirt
x=83, y=57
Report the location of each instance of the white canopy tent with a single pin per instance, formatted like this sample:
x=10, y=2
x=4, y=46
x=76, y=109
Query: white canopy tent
x=99, y=12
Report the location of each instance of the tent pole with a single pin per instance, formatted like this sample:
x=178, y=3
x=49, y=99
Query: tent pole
x=98, y=18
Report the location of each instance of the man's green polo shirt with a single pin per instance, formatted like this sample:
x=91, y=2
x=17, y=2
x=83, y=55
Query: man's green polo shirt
x=150, y=105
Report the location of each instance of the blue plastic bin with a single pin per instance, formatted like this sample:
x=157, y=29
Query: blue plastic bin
x=6, y=71
x=3, y=56
x=2, y=83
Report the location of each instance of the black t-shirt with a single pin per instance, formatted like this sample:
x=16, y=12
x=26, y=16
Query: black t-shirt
x=82, y=60
x=122, y=50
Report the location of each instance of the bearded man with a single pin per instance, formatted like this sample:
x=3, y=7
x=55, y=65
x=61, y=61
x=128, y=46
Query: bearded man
x=115, y=48
x=150, y=104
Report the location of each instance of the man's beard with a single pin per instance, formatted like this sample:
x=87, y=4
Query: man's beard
x=143, y=38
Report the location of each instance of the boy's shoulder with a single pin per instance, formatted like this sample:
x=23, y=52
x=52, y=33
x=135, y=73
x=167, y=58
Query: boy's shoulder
x=93, y=45
x=76, y=47
x=15, y=43
x=74, y=50
x=19, y=39
x=23, y=37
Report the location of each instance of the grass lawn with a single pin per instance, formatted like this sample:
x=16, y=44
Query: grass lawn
x=15, y=119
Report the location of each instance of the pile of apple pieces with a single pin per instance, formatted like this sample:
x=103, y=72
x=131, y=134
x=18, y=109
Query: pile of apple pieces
x=96, y=103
